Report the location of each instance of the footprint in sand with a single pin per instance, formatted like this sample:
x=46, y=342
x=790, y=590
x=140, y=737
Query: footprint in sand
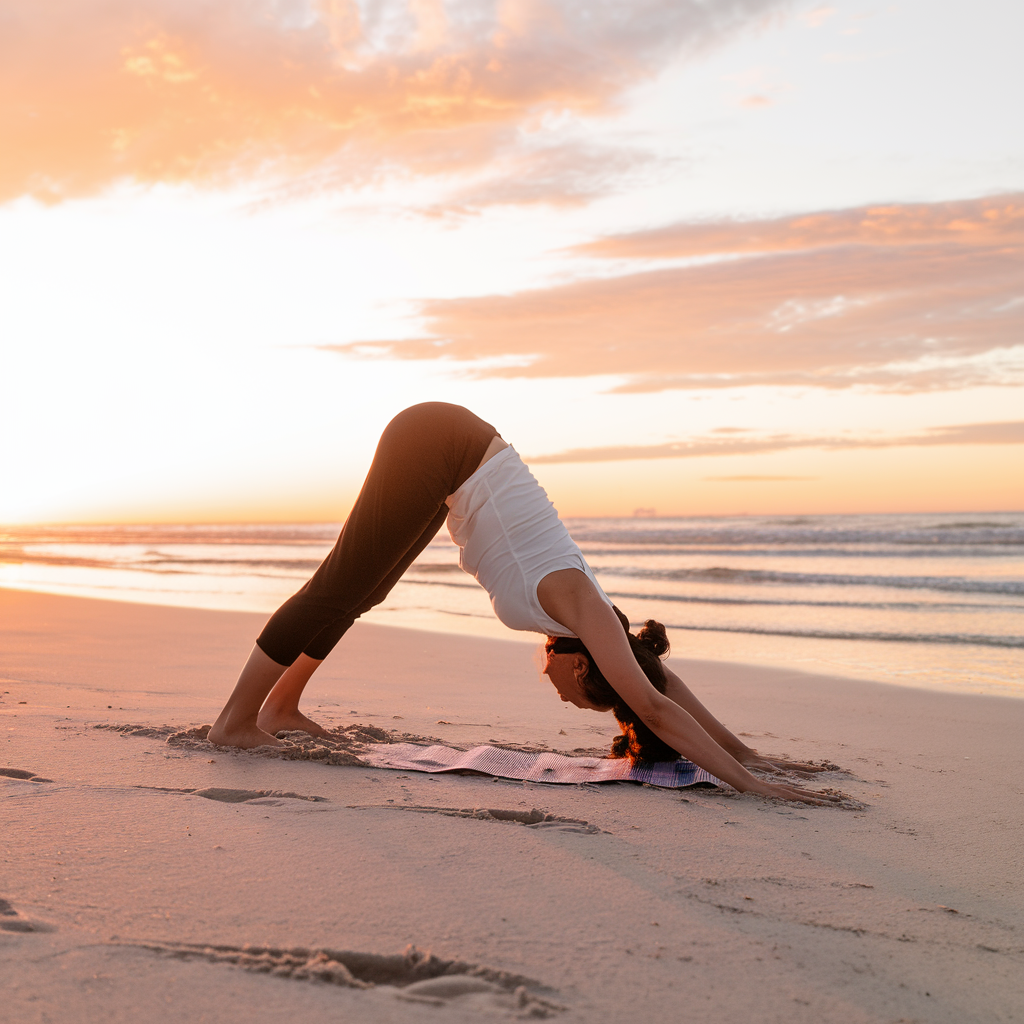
x=478, y=993
x=12, y=921
x=262, y=796
x=531, y=819
x=22, y=773
x=240, y=796
x=418, y=976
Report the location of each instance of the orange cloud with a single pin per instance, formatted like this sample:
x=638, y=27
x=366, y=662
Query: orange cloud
x=996, y=220
x=205, y=91
x=970, y=433
x=898, y=297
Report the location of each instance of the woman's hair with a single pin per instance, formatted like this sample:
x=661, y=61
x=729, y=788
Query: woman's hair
x=637, y=741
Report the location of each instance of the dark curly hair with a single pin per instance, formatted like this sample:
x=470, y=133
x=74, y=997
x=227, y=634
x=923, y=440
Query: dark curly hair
x=649, y=646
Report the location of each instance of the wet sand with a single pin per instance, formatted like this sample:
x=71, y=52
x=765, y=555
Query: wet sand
x=151, y=881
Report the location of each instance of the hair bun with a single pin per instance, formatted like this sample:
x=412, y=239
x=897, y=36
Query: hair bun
x=653, y=636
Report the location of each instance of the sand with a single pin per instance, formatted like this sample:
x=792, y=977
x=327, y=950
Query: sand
x=148, y=881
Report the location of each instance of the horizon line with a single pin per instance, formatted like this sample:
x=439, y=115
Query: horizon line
x=643, y=515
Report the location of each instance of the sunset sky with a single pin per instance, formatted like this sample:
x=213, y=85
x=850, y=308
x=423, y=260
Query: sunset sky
x=705, y=257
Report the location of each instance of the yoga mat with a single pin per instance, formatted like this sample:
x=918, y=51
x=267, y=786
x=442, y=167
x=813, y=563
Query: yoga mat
x=535, y=767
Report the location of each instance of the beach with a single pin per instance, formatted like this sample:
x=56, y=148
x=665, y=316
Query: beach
x=128, y=894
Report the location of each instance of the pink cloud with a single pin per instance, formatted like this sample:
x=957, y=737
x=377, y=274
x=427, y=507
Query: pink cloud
x=207, y=91
x=896, y=297
x=991, y=221
x=971, y=433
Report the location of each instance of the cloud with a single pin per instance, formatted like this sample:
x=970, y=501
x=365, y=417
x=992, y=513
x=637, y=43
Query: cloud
x=566, y=174
x=901, y=297
x=213, y=90
x=993, y=221
x=817, y=17
x=972, y=433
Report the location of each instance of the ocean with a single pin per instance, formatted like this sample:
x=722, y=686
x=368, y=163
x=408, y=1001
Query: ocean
x=932, y=600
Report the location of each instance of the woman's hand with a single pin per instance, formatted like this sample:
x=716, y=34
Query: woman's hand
x=797, y=793
x=779, y=765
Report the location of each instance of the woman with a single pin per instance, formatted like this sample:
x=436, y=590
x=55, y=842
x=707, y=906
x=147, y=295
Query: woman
x=436, y=462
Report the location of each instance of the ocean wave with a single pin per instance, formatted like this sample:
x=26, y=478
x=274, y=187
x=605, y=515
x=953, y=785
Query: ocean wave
x=900, y=531
x=307, y=565
x=958, y=639
x=757, y=602
x=725, y=574
x=850, y=551
x=144, y=534
x=164, y=564
x=469, y=584
x=897, y=531
x=677, y=539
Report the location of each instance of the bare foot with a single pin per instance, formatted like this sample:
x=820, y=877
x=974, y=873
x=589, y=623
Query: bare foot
x=245, y=737
x=277, y=721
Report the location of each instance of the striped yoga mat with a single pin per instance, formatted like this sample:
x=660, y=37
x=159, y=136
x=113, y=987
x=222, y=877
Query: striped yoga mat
x=535, y=767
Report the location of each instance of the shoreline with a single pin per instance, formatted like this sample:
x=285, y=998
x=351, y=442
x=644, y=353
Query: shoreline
x=674, y=899
x=767, y=652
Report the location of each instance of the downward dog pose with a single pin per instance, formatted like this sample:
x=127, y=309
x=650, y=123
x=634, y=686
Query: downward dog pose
x=435, y=462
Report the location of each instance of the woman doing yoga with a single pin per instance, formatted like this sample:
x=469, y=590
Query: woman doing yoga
x=436, y=462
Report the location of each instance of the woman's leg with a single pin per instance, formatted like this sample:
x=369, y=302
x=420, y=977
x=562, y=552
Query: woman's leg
x=425, y=454
x=266, y=697
x=236, y=725
x=281, y=708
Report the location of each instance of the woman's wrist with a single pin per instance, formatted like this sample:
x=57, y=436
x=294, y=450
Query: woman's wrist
x=743, y=753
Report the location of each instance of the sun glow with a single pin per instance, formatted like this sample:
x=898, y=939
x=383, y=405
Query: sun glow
x=236, y=241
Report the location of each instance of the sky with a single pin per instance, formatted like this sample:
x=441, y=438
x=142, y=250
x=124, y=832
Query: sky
x=730, y=257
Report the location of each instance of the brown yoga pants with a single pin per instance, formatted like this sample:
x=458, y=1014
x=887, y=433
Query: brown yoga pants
x=425, y=453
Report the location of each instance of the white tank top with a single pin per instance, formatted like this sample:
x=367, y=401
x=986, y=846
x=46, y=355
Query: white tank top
x=510, y=538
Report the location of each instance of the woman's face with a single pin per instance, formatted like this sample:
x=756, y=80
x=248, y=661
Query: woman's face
x=565, y=672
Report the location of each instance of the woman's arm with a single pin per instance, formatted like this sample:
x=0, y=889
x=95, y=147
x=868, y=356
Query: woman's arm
x=679, y=692
x=570, y=598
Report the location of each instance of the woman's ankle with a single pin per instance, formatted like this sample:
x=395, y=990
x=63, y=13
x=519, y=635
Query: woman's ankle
x=273, y=721
x=273, y=709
